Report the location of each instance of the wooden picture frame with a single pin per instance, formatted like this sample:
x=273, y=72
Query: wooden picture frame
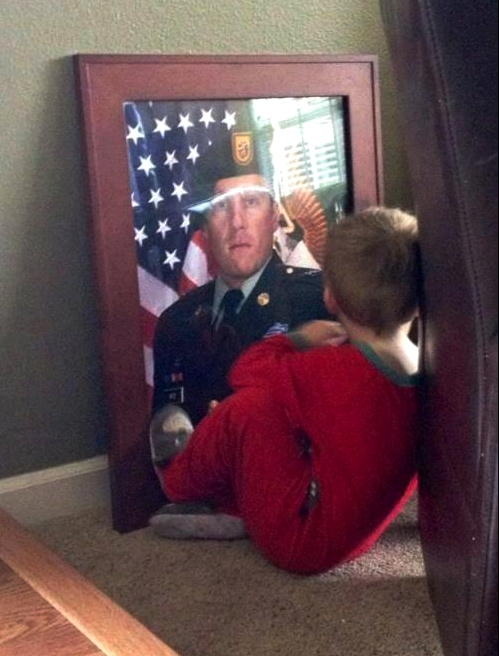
x=104, y=84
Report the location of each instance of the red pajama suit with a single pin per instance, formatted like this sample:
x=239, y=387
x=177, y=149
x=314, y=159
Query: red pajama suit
x=315, y=451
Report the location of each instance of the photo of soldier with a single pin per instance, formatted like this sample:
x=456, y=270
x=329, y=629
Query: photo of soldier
x=254, y=294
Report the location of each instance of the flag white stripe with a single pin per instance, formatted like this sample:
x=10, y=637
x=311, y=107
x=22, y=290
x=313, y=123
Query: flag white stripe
x=149, y=366
x=155, y=296
x=196, y=265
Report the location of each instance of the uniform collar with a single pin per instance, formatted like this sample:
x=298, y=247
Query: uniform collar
x=247, y=287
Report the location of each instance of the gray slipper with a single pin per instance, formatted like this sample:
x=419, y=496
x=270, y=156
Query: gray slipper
x=169, y=434
x=196, y=521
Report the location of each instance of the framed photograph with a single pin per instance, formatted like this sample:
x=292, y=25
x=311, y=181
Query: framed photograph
x=158, y=133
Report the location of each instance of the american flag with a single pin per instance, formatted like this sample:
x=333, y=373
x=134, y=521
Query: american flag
x=166, y=141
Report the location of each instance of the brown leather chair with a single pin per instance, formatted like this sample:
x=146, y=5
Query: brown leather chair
x=444, y=55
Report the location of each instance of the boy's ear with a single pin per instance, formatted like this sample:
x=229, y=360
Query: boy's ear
x=330, y=301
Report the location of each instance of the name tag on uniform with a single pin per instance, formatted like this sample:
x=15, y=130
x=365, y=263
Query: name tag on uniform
x=175, y=395
x=174, y=388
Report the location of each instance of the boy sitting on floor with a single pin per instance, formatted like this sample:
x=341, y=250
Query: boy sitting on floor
x=314, y=453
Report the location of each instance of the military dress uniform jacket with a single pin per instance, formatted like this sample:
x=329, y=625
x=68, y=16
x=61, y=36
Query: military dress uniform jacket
x=192, y=357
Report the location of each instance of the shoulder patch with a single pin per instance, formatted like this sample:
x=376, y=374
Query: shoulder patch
x=277, y=329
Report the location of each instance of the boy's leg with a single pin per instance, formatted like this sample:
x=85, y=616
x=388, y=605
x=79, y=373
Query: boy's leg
x=247, y=460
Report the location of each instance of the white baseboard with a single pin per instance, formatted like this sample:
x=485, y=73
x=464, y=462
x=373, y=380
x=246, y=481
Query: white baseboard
x=65, y=490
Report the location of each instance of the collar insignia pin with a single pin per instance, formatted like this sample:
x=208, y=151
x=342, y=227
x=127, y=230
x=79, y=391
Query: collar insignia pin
x=263, y=299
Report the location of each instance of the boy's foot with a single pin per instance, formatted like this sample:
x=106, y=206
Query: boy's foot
x=169, y=434
x=196, y=521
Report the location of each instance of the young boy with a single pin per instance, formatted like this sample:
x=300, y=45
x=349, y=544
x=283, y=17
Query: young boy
x=314, y=453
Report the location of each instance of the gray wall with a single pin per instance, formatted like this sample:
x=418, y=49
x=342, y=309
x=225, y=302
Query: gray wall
x=51, y=401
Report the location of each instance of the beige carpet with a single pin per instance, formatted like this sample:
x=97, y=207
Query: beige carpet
x=223, y=599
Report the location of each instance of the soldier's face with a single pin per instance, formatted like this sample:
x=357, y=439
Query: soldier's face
x=240, y=227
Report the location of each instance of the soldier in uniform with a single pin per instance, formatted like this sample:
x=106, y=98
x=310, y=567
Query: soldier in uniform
x=253, y=296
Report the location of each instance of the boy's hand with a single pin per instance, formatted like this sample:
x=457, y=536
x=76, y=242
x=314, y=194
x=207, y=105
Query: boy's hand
x=319, y=333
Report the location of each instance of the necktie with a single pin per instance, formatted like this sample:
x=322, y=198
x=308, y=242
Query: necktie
x=230, y=303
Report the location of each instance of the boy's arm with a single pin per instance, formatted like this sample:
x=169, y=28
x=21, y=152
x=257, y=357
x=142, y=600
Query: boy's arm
x=264, y=364
x=318, y=333
x=258, y=363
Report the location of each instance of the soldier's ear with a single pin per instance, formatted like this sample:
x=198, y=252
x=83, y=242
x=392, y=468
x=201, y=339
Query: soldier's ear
x=330, y=301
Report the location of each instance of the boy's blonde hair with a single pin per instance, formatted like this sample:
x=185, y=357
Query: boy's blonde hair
x=372, y=267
